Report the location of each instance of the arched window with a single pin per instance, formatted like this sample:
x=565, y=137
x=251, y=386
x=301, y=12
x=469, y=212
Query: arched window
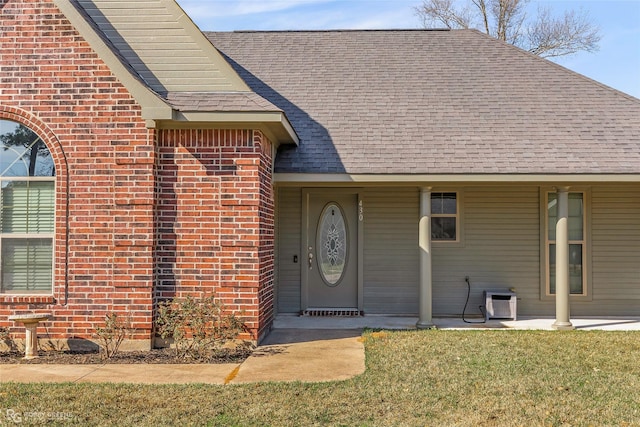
x=27, y=211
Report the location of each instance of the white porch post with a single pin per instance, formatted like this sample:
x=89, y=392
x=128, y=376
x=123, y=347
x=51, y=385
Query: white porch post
x=424, y=240
x=562, y=262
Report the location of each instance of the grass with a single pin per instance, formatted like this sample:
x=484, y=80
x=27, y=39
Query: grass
x=416, y=378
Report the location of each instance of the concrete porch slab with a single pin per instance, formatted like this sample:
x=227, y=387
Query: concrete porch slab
x=383, y=322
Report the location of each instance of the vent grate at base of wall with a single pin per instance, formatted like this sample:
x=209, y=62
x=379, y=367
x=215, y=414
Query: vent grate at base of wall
x=332, y=312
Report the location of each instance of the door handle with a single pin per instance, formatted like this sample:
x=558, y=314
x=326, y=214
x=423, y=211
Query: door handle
x=310, y=259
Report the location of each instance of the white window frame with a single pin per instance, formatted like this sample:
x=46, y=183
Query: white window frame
x=585, y=242
x=457, y=217
x=24, y=236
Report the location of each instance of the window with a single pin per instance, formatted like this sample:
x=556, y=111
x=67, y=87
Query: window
x=577, y=243
x=444, y=217
x=27, y=211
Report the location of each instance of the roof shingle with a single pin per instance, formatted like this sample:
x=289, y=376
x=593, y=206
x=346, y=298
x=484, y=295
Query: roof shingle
x=219, y=101
x=433, y=102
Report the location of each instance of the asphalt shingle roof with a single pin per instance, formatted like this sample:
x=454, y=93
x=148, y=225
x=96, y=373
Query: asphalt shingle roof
x=219, y=101
x=433, y=102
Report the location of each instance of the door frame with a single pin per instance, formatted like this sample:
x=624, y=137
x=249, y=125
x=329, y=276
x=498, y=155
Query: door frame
x=304, y=241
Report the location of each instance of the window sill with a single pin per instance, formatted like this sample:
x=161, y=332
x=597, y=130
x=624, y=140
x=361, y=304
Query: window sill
x=8, y=299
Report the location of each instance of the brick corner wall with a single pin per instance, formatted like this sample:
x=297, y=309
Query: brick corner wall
x=214, y=218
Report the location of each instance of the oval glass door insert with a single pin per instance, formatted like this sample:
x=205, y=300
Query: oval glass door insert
x=332, y=244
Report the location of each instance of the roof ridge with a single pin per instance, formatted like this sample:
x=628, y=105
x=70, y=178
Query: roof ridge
x=344, y=30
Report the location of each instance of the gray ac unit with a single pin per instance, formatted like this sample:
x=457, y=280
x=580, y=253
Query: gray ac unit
x=500, y=304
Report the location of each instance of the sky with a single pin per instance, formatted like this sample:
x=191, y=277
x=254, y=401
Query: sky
x=616, y=63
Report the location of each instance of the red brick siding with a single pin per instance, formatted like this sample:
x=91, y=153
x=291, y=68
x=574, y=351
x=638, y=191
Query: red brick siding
x=267, y=238
x=210, y=221
x=53, y=82
x=186, y=211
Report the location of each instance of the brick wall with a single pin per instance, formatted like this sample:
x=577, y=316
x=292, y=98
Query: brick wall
x=184, y=211
x=266, y=251
x=215, y=220
x=52, y=82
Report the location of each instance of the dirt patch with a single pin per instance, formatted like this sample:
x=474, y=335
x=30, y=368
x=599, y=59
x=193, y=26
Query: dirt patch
x=156, y=356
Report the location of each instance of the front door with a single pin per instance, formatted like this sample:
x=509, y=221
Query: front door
x=330, y=245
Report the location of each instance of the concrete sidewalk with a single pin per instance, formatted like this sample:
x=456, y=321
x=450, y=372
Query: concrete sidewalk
x=298, y=349
x=117, y=373
x=308, y=355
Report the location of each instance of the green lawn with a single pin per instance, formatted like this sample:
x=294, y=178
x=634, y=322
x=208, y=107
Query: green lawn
x=417, y=378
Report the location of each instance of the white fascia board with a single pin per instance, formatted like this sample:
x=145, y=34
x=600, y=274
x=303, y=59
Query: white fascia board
x=393, y=179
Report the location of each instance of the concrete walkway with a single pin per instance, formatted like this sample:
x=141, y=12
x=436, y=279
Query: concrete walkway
x=309, y=355
x=298, y=349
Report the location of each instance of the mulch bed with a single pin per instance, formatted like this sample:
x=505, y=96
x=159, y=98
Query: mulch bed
x=162, y=355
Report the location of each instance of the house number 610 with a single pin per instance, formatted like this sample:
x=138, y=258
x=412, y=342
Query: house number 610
x=360, y=211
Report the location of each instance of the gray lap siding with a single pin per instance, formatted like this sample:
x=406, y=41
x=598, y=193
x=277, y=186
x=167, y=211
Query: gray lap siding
x=500, y=246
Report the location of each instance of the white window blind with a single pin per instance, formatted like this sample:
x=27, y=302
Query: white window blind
x=27, y=207
x=26, y=265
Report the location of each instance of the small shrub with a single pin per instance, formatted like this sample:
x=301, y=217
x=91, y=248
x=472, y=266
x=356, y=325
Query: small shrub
x=112, y=334
x=199, y=327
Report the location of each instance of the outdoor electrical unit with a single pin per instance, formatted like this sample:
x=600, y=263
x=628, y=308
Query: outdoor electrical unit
x=500, y=304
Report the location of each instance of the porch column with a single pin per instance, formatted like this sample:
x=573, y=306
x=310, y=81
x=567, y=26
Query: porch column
x=424, y=241
x=562, y=262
